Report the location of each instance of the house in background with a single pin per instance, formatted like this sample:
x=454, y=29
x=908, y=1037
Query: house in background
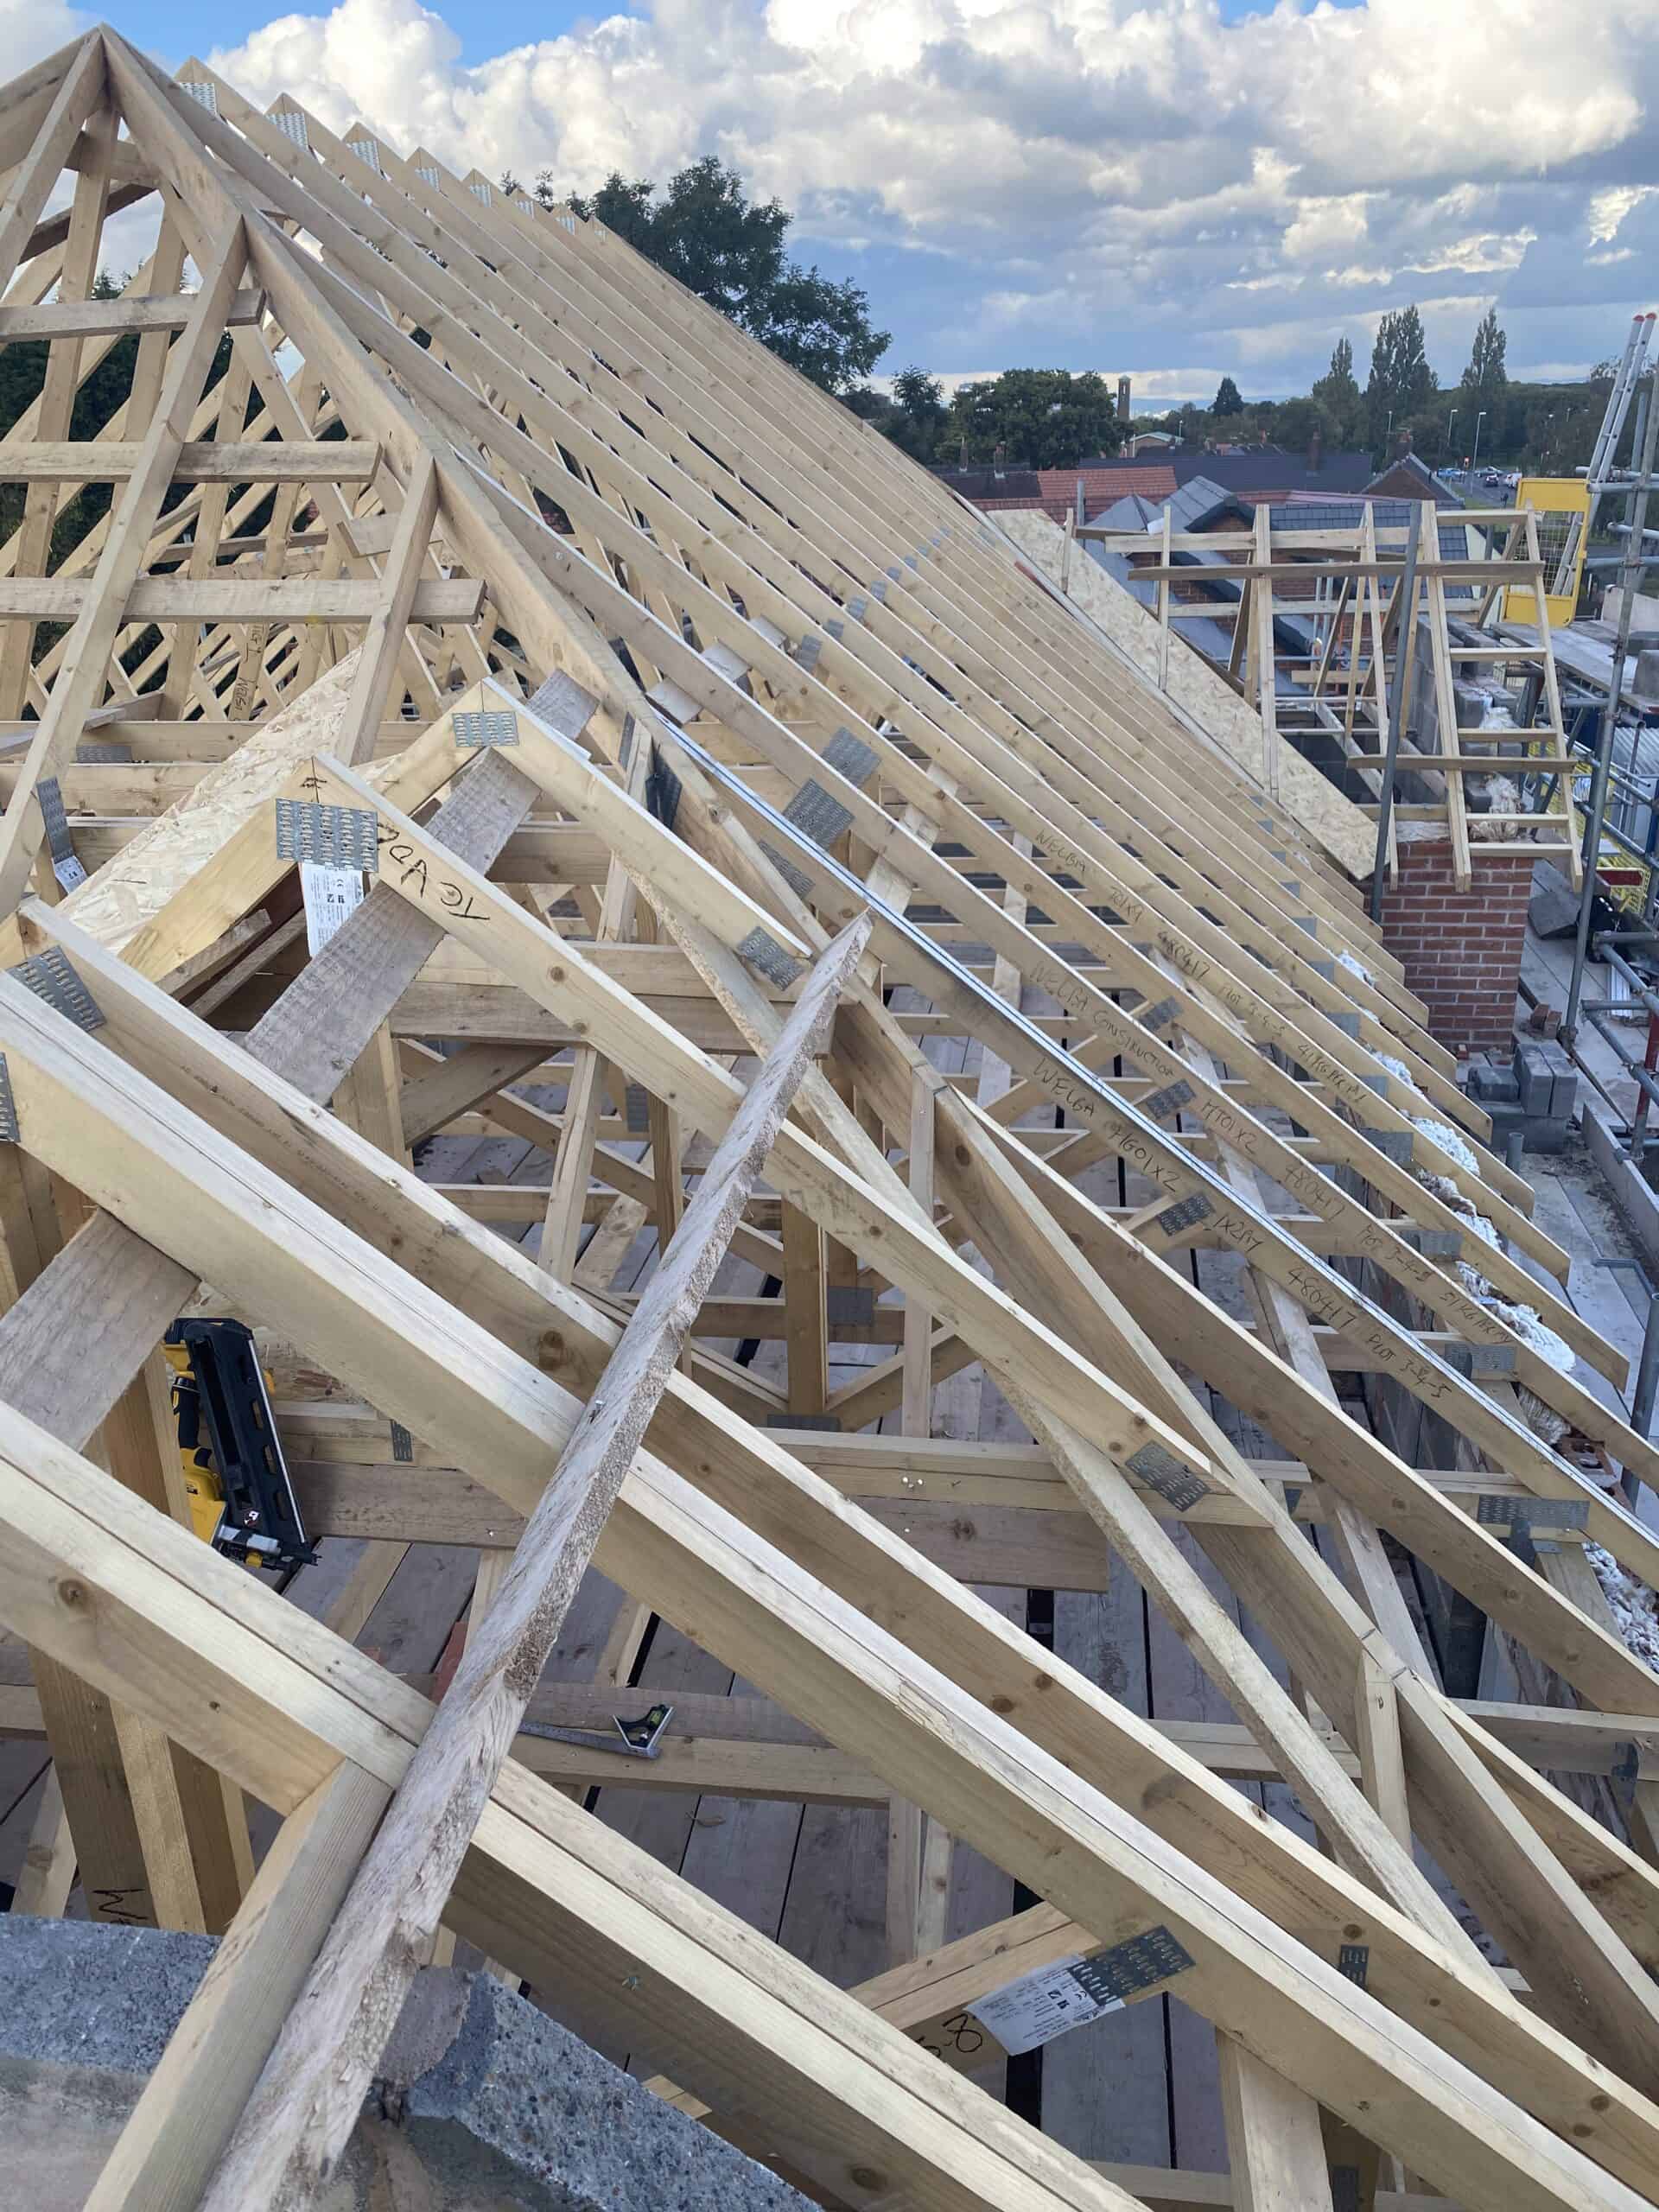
x=1159, y=472
x=1407, y=477
x=1053, y=492
x=995, y=486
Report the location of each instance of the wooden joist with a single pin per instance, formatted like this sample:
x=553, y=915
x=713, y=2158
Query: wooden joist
x=272, y=460
x=235, y=599
x=114, y=318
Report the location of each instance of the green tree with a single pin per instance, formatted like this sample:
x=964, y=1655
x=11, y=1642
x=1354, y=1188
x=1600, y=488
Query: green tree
x=1338, y=395
x=1295, y=424
x=919, y=415
x=1402, y=383
x=1042, y=418
x=1227, y=400
x=917, y=393
x=729, y=249
x=1485, y=375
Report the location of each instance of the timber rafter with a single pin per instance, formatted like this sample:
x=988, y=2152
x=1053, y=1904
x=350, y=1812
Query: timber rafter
x=695, y=764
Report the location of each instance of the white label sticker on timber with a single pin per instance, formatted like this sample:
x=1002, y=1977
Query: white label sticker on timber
x=1040, y=2007
x=330, y=895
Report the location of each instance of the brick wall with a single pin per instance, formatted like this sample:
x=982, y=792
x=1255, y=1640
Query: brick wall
x=1461, y=950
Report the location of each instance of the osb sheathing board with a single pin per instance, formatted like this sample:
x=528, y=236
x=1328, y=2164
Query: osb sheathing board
x=1207, y=701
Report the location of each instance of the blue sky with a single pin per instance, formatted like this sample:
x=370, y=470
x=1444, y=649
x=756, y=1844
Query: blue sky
x=1181, y=188
x=195, y=26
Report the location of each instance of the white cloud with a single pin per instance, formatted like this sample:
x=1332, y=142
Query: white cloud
x=30, y=29
x=1476, y=255
x=1053, y=174
x=1149, y=385
x=1608, y=209
x=1175, y=384
x=1320, y=228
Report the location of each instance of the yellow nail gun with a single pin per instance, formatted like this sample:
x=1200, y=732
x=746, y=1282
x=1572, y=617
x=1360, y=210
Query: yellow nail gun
x=242, y=1499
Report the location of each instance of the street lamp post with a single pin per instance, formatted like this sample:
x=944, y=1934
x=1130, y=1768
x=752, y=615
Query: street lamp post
x=1475, y=456
x=1450, y=420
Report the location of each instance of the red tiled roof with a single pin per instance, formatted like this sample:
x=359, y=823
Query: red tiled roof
x=1152, y=480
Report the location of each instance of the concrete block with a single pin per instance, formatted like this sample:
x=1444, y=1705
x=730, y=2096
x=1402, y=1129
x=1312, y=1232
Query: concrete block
x=83, y=1995
x=514, y=2093
x=1493, y=1086
x=1547, y=1136
x=1564, y=1080
x=1538, y=1132
x=484, y=2104
x=1506, y=1118
x=1470, y=702
x=1533, y=1076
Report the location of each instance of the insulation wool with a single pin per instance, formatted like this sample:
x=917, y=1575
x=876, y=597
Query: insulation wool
x=1503, y=797
x=1443, y=1188
x=1634, y=1606
x=1448, y=1140
x=1545, y=1423
x=1502, y=794
x=1539, y=1336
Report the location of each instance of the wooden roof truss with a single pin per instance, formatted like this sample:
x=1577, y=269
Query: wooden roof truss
x=625, y=784
x=1349, y=587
